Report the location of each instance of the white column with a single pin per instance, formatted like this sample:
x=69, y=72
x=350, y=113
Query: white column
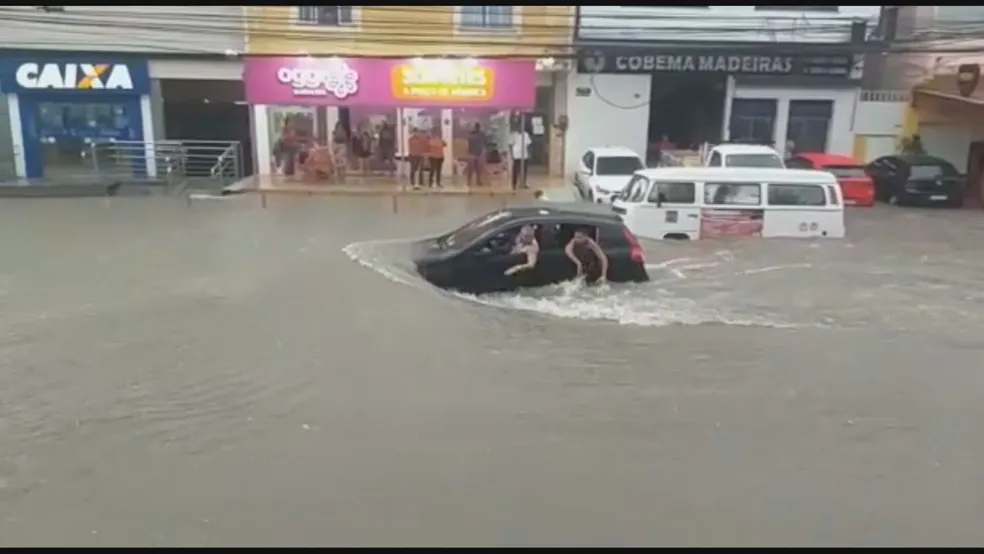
x=447, y=131
x=729, y=95
x=17, y=135
x=331, y=119
x=261, y=138
x=782, y=121
x=147, y=120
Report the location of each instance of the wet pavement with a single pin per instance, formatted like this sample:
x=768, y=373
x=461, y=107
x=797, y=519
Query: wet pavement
x=227, y=375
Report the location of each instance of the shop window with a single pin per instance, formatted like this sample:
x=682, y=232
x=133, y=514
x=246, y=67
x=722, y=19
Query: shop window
x=809, y=124
x=753, y=120
x=487, y=17
x=329, y=16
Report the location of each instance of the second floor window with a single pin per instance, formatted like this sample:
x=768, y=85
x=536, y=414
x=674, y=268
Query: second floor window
x=487, y=17
x=332, y=16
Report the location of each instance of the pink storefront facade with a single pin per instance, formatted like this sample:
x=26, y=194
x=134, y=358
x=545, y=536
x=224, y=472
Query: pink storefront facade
x=444, y=96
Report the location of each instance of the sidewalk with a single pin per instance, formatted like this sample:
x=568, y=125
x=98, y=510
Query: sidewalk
x=386, y=186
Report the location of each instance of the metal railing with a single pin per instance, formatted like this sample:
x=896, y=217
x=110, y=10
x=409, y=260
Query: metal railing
x=177, y=165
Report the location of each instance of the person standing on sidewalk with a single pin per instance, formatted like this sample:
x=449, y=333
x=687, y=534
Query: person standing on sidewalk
x=476, y=155
x=435, y=158
x=519, y=149
x=417, y=154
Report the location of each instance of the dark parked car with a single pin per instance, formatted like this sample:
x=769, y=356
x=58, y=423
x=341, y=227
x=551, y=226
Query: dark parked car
x=916, y=179
x=474, y=258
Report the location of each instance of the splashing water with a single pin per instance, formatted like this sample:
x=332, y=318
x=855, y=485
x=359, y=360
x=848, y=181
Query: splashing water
x=646, y=304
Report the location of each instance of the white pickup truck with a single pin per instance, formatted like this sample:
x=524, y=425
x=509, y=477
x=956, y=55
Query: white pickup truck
x=743, y=155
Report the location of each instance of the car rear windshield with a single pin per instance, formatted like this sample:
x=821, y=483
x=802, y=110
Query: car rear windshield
x=471, y=231
x=846, y=171
x=931, y=171
x=617, y=165
x=755, y=160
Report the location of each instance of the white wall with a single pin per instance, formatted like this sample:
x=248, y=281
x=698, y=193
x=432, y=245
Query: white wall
x=210, y=70
x=950, y=142
x=615, y=113
x=739, y=23
x=841, y=137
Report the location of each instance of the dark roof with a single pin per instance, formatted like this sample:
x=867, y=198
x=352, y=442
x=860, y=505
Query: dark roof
x=922, y=159
x=585, y=210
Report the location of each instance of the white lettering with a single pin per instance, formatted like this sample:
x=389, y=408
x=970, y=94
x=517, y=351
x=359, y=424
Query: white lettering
x=335, y=78
x=73, y=76
x=722, y=64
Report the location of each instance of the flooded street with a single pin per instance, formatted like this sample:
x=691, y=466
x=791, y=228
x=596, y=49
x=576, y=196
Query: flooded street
x=222, y=374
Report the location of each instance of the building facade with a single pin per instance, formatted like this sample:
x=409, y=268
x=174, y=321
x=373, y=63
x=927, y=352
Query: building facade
x=435, y=68
x=772, y=74
x=936, y=57
x=72, y=75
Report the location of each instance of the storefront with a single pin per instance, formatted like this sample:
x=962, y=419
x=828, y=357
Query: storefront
x=767, y=94
x=443, y=96
x=59, y=105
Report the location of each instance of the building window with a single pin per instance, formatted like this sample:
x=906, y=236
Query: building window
x=331, y=16
x=809, y=124
x=487, y=17
x=798, y=8
x=753, y=120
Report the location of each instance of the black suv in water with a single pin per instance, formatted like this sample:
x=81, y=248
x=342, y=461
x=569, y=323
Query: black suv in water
x=474, y=258
x=916, y=179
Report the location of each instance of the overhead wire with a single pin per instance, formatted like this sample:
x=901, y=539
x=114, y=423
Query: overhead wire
x=539, y=38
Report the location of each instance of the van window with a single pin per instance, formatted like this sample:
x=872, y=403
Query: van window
x=715, y=160
x=733, y=194
x=673, y=193
x=797, y=195
x=635, y=189
x=832, y=191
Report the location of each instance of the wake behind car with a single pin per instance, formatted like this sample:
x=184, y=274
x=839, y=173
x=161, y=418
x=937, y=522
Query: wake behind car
x=475, y=257
x=917, y=179
x=603, y=172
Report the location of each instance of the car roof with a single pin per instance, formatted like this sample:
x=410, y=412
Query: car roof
x=744, y=149
x=566, y=211
x=735, y=174
x=920, y=159
x=612, y=151
x=823, y=159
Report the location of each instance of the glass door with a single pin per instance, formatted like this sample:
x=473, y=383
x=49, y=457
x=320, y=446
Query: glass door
x=82, y=139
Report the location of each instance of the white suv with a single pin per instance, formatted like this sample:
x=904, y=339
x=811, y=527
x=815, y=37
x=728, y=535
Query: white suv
x=604, y=171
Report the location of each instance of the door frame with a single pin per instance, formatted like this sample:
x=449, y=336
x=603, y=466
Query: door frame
x=29, y=112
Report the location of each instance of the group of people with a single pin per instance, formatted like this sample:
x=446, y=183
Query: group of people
x=581, y=249
x=296, y=147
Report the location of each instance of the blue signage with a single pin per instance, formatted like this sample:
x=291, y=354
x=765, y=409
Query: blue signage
x=74, y=74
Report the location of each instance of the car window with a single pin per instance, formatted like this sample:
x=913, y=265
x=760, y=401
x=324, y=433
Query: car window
x=474, y=229
x=846, y=171
x=799, y=163
x=733, y=194
x=797, y=195
x=564, y=232
x=639, y=192
x=637, y=183
x=832, y=191
x=673, y=193
x=588, y=160
x=755, y=160
x=617, y=165
x=930, y=171
x=715, y=160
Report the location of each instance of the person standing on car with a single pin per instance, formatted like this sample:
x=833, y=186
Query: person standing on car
x=526, y=243
x=584, y=252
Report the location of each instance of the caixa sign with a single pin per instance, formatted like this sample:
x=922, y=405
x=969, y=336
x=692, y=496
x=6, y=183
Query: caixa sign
x=74, y=76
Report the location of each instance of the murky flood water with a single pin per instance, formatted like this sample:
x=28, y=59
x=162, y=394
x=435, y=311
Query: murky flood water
x=226, y=375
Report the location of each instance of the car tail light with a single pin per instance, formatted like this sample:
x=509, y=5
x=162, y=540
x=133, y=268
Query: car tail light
x=635, y=250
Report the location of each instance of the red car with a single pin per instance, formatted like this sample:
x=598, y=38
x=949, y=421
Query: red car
x=856, y=185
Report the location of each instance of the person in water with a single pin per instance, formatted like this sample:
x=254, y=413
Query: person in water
x=584, y=251
x=525, y=244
